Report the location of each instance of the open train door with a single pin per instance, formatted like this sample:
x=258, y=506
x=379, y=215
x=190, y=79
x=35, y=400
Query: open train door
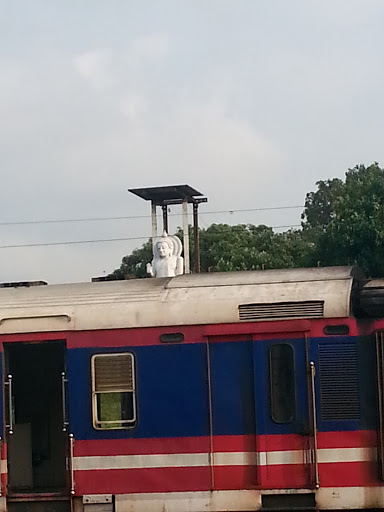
x=36, y=426
x=285, y=414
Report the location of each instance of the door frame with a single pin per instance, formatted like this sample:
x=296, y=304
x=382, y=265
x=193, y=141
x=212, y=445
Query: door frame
x=9, y=344
x=300, y=434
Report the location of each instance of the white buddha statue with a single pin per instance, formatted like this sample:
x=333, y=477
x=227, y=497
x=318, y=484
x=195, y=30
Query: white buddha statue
x=167, y=261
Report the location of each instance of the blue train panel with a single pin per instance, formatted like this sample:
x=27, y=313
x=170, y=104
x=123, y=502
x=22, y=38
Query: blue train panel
x=172, y=392
x=345, y=382
x=173, y=388
x=232, y=386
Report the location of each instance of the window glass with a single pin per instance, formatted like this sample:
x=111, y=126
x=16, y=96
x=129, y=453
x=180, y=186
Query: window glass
x=336, y=330
x=113, y=390
x=282, y=379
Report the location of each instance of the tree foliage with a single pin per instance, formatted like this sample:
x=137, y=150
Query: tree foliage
x=355, y=233
x=319, y=208
x=248, y=247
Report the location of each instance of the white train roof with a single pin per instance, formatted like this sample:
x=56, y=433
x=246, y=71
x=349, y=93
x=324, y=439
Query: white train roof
x=192, y=299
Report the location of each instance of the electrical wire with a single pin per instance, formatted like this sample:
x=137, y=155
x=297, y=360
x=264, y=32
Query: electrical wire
x=135, y=217
x=103, y=240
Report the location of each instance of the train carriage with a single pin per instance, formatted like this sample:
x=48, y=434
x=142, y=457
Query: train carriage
x=226, y=391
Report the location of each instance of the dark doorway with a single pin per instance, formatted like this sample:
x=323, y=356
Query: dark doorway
x=36, y=414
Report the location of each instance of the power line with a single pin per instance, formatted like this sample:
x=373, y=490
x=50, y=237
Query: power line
x=73, y=242
x=135, y=217
x=103, y=240
x=251, y=210
x=58, y=221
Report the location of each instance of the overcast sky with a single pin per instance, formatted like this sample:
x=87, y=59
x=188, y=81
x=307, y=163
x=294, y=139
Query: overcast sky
x=249, y=101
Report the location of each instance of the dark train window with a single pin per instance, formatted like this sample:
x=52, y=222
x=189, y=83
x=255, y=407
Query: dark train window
x=336, y=330
x=282, y=380
x=113, y=391
x=172, y=337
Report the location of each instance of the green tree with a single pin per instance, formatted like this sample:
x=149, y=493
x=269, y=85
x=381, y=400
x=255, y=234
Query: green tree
x=355, y=233
x=319, y=208
x=248, y=247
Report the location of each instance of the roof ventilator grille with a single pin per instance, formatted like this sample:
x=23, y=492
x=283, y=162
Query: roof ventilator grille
x=310, y=308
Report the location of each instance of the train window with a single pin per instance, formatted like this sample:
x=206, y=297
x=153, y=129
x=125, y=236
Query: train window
x=336, y=330
x=113, y=391
x=282, y=381
x=172, y=337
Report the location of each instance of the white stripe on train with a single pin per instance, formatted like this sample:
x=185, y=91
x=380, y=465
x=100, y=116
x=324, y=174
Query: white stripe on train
x=325, y=455
x=182, y=460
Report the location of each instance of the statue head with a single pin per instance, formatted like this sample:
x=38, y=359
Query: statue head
x=167, y=246
x=164, y=247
